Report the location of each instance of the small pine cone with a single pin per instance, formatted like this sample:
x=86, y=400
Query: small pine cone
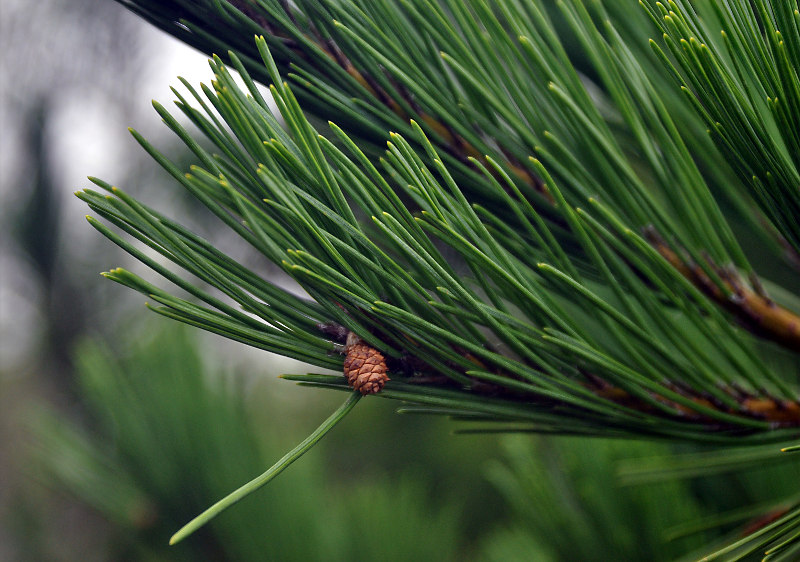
x=364, y=366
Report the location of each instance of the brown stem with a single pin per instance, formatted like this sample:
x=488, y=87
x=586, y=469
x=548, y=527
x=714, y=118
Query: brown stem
x=762, y=521
x=752, y=308
x=780, y=413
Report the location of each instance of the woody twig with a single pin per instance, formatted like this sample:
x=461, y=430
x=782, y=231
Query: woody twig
x=757, y=312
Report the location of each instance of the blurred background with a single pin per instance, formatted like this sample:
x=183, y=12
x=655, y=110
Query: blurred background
x=117, y=426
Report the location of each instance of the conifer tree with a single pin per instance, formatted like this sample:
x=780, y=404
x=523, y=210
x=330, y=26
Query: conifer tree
x=577, y=218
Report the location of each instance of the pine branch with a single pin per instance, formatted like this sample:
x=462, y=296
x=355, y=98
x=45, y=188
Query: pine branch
x=310, y=41
x=606, y=310
x=306, y=186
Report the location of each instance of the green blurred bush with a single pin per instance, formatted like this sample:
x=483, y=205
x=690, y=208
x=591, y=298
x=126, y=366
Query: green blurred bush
x=167, y=438
x=163, y=437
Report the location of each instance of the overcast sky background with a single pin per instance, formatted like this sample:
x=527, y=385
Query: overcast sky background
x=74, y=75
x=99, y=67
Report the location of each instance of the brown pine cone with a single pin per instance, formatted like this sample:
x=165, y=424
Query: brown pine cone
x=364, y=366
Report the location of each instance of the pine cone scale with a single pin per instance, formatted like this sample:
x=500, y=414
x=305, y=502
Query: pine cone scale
x=364, y=367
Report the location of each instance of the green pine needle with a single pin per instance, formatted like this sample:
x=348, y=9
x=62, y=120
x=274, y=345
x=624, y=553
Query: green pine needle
x=273, y=471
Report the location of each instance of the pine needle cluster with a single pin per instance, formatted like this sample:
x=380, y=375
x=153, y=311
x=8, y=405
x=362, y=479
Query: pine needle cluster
x=534, y=215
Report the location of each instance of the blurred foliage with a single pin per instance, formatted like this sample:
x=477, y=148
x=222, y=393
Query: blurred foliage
x=169, y=436
x=579, y=499
x=569, y=505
